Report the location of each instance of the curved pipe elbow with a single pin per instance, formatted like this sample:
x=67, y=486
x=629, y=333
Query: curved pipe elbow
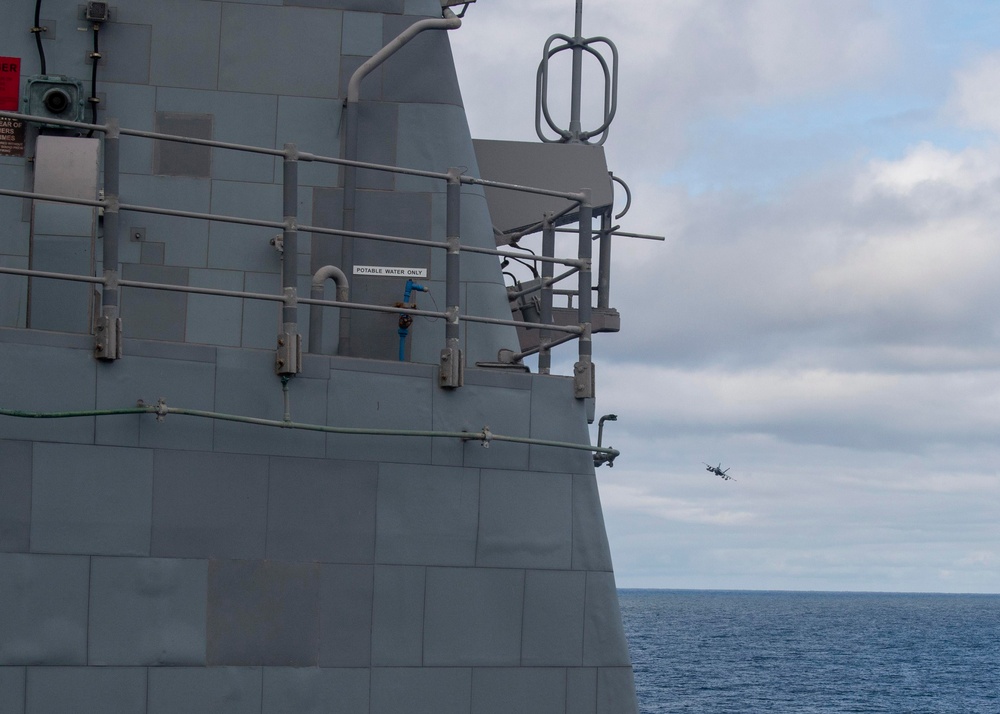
x=339, y=278
x=450, y=21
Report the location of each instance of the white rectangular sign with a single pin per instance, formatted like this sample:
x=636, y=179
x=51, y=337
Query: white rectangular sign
x=390, y=271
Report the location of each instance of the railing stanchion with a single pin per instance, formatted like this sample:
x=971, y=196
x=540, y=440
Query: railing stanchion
x=545, y=310
x=452, y=373
x=108, y=330
x=583, y=371
x=288, y=357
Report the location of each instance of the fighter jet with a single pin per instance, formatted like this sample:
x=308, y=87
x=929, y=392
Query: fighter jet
x=717, y=470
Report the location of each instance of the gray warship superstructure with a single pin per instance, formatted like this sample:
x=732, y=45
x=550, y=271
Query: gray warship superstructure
x=267, y=441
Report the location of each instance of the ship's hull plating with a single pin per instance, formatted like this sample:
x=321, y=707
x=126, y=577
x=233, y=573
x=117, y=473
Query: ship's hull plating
x=187, y=563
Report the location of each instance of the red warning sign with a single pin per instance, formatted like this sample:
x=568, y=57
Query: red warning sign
x=10, y=83
x=11, y=130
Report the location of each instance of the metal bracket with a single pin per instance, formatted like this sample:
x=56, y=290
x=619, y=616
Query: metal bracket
x=452, y=371
x=583, y=380
x=108, y=337
x=288, y=356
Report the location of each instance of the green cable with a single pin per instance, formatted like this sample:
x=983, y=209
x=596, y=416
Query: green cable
x=161, y=410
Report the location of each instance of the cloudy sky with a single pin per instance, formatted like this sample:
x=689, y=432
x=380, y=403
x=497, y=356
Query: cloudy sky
x=823, y=315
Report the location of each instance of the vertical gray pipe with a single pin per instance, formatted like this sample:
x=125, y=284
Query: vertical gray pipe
x=604, y=265
x=448, y=22
x=288, y=357
x=584, y=368
x=109, y=296
x=350, y=193
x=453, y=261
x=575, y=126
x=451, y=367
x=107, y=332
x=289, y=266
x=548, y=268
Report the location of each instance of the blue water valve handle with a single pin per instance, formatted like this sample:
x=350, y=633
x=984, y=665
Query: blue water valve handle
x=406, y=320
x=410, y=287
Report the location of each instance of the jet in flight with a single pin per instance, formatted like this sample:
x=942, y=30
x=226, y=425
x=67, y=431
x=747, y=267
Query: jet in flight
x=717, y=470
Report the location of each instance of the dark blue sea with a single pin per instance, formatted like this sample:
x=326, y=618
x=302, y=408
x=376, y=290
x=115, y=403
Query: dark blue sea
x=715, y=652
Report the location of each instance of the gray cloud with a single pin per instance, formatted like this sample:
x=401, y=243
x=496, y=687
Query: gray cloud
x=826, y=329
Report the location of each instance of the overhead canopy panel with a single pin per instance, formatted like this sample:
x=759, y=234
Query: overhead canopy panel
x=560, y=167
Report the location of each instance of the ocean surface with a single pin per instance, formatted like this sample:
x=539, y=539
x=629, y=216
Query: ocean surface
x=711, y=652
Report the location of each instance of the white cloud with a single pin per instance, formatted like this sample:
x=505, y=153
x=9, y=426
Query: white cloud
x=976, y=97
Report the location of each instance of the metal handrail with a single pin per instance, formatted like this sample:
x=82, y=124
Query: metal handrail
x=453, y=315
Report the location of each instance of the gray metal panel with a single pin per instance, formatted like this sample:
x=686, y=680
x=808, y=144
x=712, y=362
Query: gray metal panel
x=12, y=681
x=13, y=292
x=86, y=690
x=181, y=382
x=128, y=60
x=345, y=615
x=473, y=617
x=177, y=159
x=238, y=247
x=590, y=540
x=470, y=409
x=407, y=78
x=63, y=219
x=379, y=401
x=134, y=107
x=581, y=690
x=185, y=240
x=558, y=416
x=152, y=253
x=525, y=520
x=248, y=386
x=313, y=124
x=431, y=8
x=60, y=305
x=321, y=511
x=210, y=319
x=378, y=124
x=200, y=690
x=523, y=690
x=208, y=505
x=604, y=638
x=91, y=499
x=15, y=495
x=310, y=690
x=284, y=31
x=427, y=515
x=559, y=167
x=234, y=117
x=412, y=690
x=68, y=386
x=43, y=609
x=362, y=34
x=154, y=314
x=616, y=691
x=191, y=24
x=553, y=618
x=398, y=616
x=427, y=140
x=392, y=6
x=147, y=611
x=261, y=319
x=263, y=613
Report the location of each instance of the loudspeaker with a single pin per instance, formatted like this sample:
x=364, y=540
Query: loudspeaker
x=55, y=96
